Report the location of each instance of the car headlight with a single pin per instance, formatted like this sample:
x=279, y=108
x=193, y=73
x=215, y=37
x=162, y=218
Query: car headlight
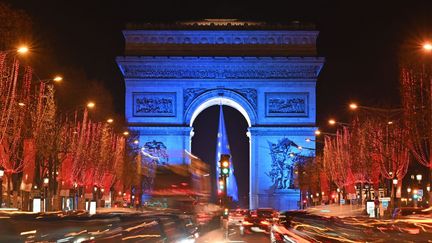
x=187, y=240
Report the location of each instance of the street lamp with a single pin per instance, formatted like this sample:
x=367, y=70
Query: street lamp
x=317, y=132
x=332, y=121
x=427, y=47
x=91, y=105
x=110, y=120
x=419, y=177
x=125, y=133
x=409, y=189
x=353, y=106
x=395, y=182
x=22, y=49
x=45, y=184
x=57, y=78
x=1, y=186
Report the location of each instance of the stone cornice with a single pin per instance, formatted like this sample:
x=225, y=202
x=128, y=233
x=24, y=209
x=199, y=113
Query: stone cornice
x=220, y=67
x=228, y=24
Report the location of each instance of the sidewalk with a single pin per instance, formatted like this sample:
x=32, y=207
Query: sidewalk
x=336, y=210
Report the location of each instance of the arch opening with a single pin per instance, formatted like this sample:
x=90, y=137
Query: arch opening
x=220, y=101
x=204, y=142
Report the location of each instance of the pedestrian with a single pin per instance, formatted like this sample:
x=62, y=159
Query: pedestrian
x=377, y=204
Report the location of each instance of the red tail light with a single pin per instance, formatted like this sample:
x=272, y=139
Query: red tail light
x=246, y=223
x=265, y=222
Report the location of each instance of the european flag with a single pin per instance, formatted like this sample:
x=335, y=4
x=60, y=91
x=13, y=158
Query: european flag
x=223, y=148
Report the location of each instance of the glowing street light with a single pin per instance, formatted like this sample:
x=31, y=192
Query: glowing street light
x=427, y=46
x=419, y=177
x=353, y=106
x=21, y=104
x=57, y=78
x=125, y=133
x=332, y=121
x=409, y=189
x=136, y=142
x=22, y=49
x=395, y=181
x=91, y=105
x=110, y=120
x=317, y=132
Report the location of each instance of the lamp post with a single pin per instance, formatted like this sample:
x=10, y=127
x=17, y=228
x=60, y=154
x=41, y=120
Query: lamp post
x=395, y=182
x=95, y=194
x=45, y=183
x=1, y=186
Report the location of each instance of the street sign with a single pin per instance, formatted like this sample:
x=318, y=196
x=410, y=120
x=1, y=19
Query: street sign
x=370, y=208
x=420, y=192
x=384, y=202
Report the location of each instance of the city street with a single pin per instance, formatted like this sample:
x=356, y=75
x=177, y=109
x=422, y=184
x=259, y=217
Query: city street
x=184, y=122
x=219, y=235
x=167, y=227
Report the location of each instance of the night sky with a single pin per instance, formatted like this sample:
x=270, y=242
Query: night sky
x=360, y=42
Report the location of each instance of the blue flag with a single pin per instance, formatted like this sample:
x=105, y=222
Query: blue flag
x=223, y=148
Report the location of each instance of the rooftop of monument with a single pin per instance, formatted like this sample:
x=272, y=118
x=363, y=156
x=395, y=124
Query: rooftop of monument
x=222, y=24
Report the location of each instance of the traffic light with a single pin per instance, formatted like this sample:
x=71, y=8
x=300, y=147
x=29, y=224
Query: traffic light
x=225, y=213
x=221, y=185
x=225, y=164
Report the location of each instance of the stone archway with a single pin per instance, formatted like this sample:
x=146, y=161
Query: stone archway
x=272, y=84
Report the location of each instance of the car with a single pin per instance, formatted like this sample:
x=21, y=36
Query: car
x=235, y=217
x=259, y=220
x=281, y=232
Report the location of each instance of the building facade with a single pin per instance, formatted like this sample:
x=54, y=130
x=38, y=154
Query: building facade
x=267, y=72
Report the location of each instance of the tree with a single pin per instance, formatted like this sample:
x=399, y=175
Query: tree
x=416, y=92
x=15, y=103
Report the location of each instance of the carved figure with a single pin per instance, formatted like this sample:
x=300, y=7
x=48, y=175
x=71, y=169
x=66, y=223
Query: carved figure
x=282, y=163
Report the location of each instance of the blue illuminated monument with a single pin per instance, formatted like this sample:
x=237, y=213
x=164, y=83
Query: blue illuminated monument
x=266, y=72
x=224, y=148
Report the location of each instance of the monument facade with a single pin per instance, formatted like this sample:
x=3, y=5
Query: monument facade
x=267, y=72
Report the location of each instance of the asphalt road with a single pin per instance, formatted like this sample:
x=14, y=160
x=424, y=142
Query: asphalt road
x=147, y=228
x=361, y=229
x=233, y=235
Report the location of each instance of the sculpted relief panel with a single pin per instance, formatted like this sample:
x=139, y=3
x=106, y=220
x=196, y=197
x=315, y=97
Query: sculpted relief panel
x=282, y=163
x=287, y=104
x=154, y=104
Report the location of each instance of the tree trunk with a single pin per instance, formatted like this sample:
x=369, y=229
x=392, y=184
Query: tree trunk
x=9, y=181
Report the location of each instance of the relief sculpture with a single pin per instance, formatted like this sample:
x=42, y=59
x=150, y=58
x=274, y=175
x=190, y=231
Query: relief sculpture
x=286, y=104
x=154, y=104
x=282, y=163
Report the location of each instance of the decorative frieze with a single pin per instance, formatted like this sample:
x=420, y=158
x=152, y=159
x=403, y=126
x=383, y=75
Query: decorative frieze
x=161, y=68
x=220, y=37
